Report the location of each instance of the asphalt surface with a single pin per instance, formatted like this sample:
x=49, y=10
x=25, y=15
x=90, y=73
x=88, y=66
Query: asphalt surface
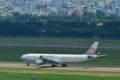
x=55, y=45
x=47, y=66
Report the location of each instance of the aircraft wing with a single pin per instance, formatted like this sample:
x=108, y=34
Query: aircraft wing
x=51, y=59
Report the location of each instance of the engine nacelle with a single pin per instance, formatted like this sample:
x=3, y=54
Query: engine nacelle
x=89, y=57
x=39, y=62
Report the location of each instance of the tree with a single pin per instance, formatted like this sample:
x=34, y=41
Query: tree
x=100, y=14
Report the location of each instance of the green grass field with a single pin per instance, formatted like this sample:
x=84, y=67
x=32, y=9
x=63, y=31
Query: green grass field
x=13, y=53
x=21, y=76
x=26, y=74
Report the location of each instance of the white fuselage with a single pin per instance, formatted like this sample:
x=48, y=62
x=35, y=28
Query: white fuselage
x=59, y=58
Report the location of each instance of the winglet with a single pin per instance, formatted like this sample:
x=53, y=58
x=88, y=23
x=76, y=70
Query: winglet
x=92, y=49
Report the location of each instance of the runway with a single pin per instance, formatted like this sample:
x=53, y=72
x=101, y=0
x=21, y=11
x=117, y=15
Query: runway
x=55, y=45
x=71, y=67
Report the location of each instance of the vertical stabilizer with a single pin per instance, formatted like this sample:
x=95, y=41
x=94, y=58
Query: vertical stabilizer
x=92, y=49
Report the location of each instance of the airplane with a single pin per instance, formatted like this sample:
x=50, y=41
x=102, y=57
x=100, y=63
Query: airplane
x=62, y=59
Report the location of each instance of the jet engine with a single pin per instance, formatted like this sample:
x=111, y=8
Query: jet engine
x=39, y=62
x=89, y=57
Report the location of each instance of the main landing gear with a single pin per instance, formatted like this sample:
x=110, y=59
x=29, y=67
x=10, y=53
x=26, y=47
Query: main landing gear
x=63, y=65
x=53, y=65
x=28, y=64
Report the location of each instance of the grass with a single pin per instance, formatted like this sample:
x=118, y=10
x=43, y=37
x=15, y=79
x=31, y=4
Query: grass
x=21, y=76
x=60, y=72
x=26, y=74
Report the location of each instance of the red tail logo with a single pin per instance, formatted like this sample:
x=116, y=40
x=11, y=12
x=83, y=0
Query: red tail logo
x=91, y=50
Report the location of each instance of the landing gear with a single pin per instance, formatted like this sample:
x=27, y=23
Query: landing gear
x=64, y=65
x=53, y=65
x=28, y=64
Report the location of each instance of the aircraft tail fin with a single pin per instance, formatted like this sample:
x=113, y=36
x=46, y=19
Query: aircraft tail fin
x=92, y=49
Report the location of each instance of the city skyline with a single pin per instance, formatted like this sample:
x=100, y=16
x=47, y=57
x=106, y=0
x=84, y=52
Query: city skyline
x=58, y=7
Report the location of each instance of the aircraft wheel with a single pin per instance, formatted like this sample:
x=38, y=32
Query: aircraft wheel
x=53, y=65
x=28, y=64
x=64, y=65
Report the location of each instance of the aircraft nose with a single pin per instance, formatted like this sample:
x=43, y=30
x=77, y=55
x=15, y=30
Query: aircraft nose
x=23, y=58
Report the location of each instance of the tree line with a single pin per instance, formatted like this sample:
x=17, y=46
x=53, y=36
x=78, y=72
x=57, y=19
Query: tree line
x=67, y=26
